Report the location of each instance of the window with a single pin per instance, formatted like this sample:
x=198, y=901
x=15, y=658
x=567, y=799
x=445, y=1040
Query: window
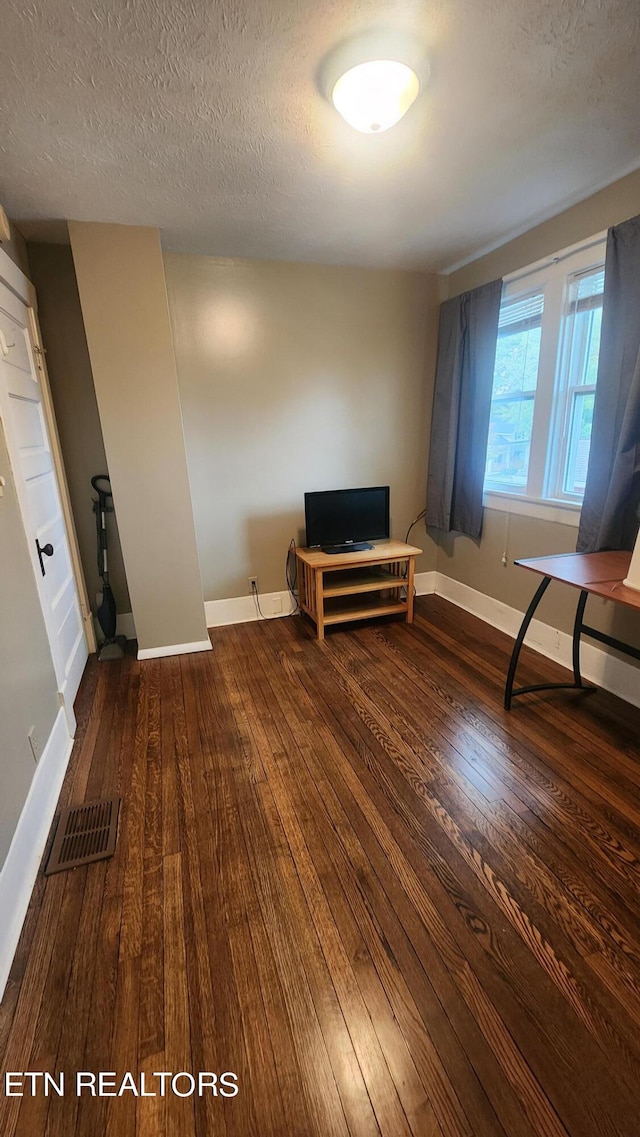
x=545, y=377
x=582, y=326
x=515, y=380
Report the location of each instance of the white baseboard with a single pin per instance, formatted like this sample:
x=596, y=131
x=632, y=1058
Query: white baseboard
x=20, y=868
x=425, y=583
x=173, y=649
x=243, y=609
x=598, y=666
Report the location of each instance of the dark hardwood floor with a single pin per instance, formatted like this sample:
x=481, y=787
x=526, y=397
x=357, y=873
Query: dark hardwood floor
x=347, y=876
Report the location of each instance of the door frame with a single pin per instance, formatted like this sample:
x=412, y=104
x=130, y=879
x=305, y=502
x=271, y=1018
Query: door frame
x=15, y=280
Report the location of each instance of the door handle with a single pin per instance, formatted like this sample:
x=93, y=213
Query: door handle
x=48, y=551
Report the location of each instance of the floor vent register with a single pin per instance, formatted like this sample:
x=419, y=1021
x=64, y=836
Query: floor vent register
x=85, y=833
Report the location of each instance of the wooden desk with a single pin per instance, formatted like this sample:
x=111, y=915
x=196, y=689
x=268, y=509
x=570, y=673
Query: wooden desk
x=596, y=574
x=335, y=588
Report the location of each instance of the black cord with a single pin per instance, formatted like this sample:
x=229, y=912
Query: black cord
x=291, y=573
x=414, y=522
x=256, y=601
x=292, y=580
x=406, y=540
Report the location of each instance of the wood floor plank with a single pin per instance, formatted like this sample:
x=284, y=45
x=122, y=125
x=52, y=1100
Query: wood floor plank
x=177, y=1050
x=151, y=1026
x=133, y=824
x=171, y=702
x=121, y=1111
x=153, y=820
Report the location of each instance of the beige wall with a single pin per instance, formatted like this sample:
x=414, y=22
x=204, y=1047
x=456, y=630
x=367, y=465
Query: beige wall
x=122, y=291
x=76, y=409
x=293, y=378
x=479, y=564
x=28, y=689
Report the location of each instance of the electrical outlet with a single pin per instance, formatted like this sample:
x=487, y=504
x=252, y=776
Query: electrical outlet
x=34, y=743
x=253, y=583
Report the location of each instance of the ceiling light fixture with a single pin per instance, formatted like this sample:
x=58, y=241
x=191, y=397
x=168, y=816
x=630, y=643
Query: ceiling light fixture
x=374, y=79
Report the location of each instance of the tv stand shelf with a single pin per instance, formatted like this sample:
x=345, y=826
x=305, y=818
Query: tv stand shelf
x=338, y=588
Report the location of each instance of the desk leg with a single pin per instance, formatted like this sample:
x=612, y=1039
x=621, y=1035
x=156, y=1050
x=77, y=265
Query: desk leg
x=577, y=630
x=517, y=647
x=319, y=586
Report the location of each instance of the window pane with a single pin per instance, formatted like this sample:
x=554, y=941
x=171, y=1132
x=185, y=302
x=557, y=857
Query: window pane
x=509, y=442
x=516, y=367
x=590, y=372
x=579, y=442
x=515, y=379
x=584, y=322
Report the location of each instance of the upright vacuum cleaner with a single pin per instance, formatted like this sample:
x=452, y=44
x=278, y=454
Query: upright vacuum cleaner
x=113, y=645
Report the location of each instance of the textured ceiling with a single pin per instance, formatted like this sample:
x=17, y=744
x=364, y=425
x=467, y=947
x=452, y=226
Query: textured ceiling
x=204, y=119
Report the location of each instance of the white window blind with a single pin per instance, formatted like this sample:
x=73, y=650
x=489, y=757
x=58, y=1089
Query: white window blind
x=521, y=313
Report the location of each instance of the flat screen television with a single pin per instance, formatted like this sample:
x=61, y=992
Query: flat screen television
x=340, y=521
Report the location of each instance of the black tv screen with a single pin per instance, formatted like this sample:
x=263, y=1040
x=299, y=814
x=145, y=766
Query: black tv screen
x=343, y=517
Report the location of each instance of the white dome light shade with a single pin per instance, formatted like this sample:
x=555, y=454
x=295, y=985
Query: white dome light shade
x=374, y=96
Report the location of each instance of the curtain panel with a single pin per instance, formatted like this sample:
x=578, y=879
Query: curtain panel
x=461, y=408
x=610, y=510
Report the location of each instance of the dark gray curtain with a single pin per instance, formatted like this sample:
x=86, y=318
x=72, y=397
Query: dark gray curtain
x=609, y=518
x=461, y=407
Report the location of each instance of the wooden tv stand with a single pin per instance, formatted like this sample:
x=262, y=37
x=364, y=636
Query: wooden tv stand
x=335, y=588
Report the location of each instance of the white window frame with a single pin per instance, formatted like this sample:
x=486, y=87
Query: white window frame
x=542, y=496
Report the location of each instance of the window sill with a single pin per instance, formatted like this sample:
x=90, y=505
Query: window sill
x=562, y=513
